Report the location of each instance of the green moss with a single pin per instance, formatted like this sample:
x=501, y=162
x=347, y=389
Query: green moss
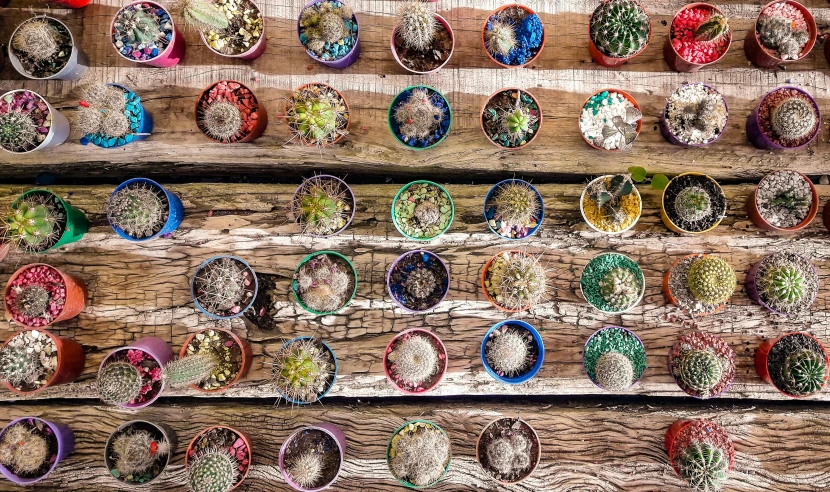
x=618, y=340
x=596, y=270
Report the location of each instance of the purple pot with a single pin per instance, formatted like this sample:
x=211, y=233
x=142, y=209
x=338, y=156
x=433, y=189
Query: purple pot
x=756, y=135
x=344, y=62
x=587, y=343
x=389, y=278
x=751, y=284
x=665, y=130
x=329, y=429
x=351, y=192
x=66, y=444
x=156, y=348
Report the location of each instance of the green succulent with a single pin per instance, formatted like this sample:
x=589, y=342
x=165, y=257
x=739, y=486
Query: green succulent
x=700, y=370
x=31, y=224
x=784, y=284
x=805, y=372
x=620, y=28
x=317, y=115
x=711, y=280
x=620, y=288
x=704, y=466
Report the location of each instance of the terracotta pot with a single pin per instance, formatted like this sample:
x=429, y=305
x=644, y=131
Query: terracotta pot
x=386, y=362
x=172, y=54
x=760, y=57
x=611, y=62
x=756, y=135
x=251, y=53
x=71, y=362
x=670, y=137
x=484, y=43
x=668, y=292
x=671, y=225
x=484, y=108
x=758, y=219
x=262, y=115
x=247, y=358
x=673, y=58
x=484, y=284
x=446, y=25
x=75, y=66
x=679, y=426
x=76, y=294
x=4, y=250
x=762, y=360
x=345, y=103
x=239, y=433
x=533, y=465
x=625, y=95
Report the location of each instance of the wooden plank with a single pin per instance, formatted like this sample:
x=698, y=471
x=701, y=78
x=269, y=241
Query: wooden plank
x=562, y=78
x=585, y=446
x=140, y=290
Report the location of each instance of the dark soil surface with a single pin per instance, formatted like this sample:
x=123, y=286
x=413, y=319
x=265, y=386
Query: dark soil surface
x=700, y=341
x=424, y=61
x=702, y=431
x=778, y=356
x=224, y=438
x=508, y=427
x=157, y=467
x=50, y=66
x=263, y=311
x=249, y=289
x=44, y=431
x=716, y=198
x=226, y=350
x=406, y=293
x=321, y=444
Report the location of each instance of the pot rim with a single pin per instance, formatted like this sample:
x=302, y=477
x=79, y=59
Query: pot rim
x=389, y=448
x=59, y=355
x=239, y=434
x=520, y=91
x=779, y=338
x=333, y=374
x=541, y=215
x=160, y=429
x=341, y=182
x=390, y=111
x=597, y=229
x=427, y=182
x=342, y=98
x=533, y=371
x=283, y=449
x=422, y=332
x=664, y=114
x=449, y=30
x=257, y=106
x=51, y=131
x=486, y=268
x=237, y=340
x=812, y=29
x=610, y=327
x=699, y=65
x=202, y=266
x=14, y=57
x=663, y=202
x=174, y=31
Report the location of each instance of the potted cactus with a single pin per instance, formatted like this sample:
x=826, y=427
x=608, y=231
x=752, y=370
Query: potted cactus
x=318, y=115
x=513, y=281
x=795, y=363
x=39, y=295
x=610, y=120
x=131, y=377
x=508, y=450
x=612, y=283
x=699, y=36
x=786, y=118
x=511, y=118
x=783, y=282
x=611, y=204
x=702, y=364
x=418, y=281
x=784, y=200
x=422, y=42
x=28, y=123
x=39, y=220
x=234, y=28
x=619, y=30
x=224, y=287
x=513, y=36
x=415, y=361
x=32, y=360
x=111, y=115
x=512, y=351
x=699, y=284
x=784, y=32
x=420, y=117
x=210, y=361
x=695, y=115
x=514, y=209
x=312, y=457
x=700, y=452
x=229, y=112
x=218, y=459
x=144, y=32
x=422, y=210
x=419, y=454
x=137, y=452
x=304, y=370
x=328, y=29
x=324, y=282
x=323, y=205
x=140, y=209
x=43, y=48
x=31, y=448
x=692, y=203
x=614, y=358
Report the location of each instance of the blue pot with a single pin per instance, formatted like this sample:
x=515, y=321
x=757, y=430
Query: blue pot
x=488, y=213
x=533, y=370
x=241, y=311
x=175, y=208
x=145, y=125
x=333, y=380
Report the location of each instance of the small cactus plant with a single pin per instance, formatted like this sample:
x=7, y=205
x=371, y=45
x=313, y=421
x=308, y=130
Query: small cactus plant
x=32, y=301
x=516, y=280
x=693, y=204
x=135, y=452
x=119, y=383
x=221, y=120
x=222, y=286
x=500, y=39
x=700, y=370
x=783, y=285
x=620, y=288
x=509, y=454
x=517, y=123
x=711, y=280
x=140, y=26
x=414, y=359
x=322, y=206
x=417, y=25
x=213, y=470
x=317, y=115
x=793, y=120
x=301, y=370
x=307, y=469
x=18, y=366
x=607, y=195
x=805, y=372
x=419, y=116
x=102, y=112
x=324, y=24
x=700, y=115
x=781, y=34
x=508, y=351
x=139, y=209
x=325, y=283
x=202, y=15
x=614, y=371
x=23, y=450
x=18, y=131
x=712, y=29
x=32, y=223
x=620, y=28
x=704, y=466
x=38, y=39
x=517, y=203
x=419, y=454
x=189, y=370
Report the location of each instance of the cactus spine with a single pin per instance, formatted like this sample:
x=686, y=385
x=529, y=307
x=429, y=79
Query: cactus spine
x=700, y=370
x=307, y=469
x=508, y=351
x=213, y=470
x=192, y=369
x=136, y=452
x=516, y=280
x=300, y=370
x=18, y=131
x=805, y=372
x=17, y=366
x=321, y=206
x=414, y=359
x=221, y=120
x=138, y=209
x=317, y=115
x=614, y=371
x=693, y=204
x=517, y=203
x=119, y=383
x=500, y=38
x=417, y=25
x=620, y=288
x=704, y=466
x=202, y=15
x=32, y=224
x=780, y=34
x=712, y=29
x=509, y=453
x=711, y=280
x=794, y=119
x=418, y=116
x=23, y=450
x=784, y=285
x=620, y=28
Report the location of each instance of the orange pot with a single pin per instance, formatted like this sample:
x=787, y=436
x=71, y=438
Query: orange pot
x=484, y=107
x=71, y=362
x=484, y=280
x=623, y=94
x=348, y=112
x=484, y=29
x=262, y=114
x=76, y=294
x=670, y=296
x=247, y=358
x=241, y=434
x=758, y=219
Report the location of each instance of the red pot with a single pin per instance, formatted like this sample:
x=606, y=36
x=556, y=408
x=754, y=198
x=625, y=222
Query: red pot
x=680, y=426
x=4, y=247
x=625, y=95
x=262, y=114
x=241, y=434
x=673, y=58
x=758, y=219
x=530, y=11
x=247, y=358
x=71, y=362
x=73, y=4
x=759, y=56
x=762, y=360
x=76, y=294
x=610, y=62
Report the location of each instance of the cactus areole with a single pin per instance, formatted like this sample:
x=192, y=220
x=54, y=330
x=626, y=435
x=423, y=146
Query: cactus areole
x=619, y=30
x=796, y=364
x=701, y=453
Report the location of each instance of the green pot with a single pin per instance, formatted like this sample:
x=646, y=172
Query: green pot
x=295, y=287
x=404, y=188
x=76, y=222
x=389, y=458
x=394, y=102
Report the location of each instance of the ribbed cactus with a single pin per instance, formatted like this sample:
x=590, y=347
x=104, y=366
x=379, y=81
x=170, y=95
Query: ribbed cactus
x=317, y=115
x=18, y=131
x=805, y=372
x=202, y=15
x=620, y=28
x=711, y=280
x=784, y=285
x=620, y=288
x=119, y=383
x=300, y=368
x=704, y=466
x=23, y=450
x=614, y=371
x=140, y=26
x=213, y=470
x=712, y=29
x=700, y=370
x=417, y=25
x=693, y=204
x=794, y=119
x=517, y=203
x=321, y=206
x=780, y=34
x=500, y=38
x=32, y=224
x=192, y=369
x=18, y=366
x=138, y=209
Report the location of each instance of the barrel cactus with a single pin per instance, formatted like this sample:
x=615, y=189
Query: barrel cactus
x=317, y=115
x=614, y=371
x=32, y=224
x=620, y=288
x=794, y=119
x=783, y=285
x=620, y=28
x=517, y=202
x=711, y=280
x=119, y=383
x=213, y=470
x=805, y=372
x=700, y=370
x=704, y=466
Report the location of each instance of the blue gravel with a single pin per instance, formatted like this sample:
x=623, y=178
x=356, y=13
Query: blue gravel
x=529, y=35
x=440, y=132
x=338, y=50
x=133, y=112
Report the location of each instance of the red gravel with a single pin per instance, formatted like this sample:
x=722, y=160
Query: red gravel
x=701, y=340
x=46, y=277
x=769, y=103
x=683, y=37
x=238, y=95
x=702, y=431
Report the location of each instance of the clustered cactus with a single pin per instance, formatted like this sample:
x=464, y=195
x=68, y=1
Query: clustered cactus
x=500, y=39
x=18, y=131
x=221, y=285
x=32, y=301
x=712, y=29
x=325, y=23
x=119, y=383
x=509, y=453
x=324, y=283
x=614, y=371
x=793, y=119
x=700, y=370
x=23, y=450
x=704, y=466
x=202, y=15
x=419, y=116
x=620, y=28
x=517, y=203
x=711, y=280
x=189, y=370
x=18, y=366
x=781, y=34
x=102, y=112
x=417, y=25
x=32, y=224
x=301, y=370
x=804, y=372
x=135, y=452
x=213, y=470
x=317, y=115
x=38, y=39
x=139, y=209
x=322, y=206
x=620, y=288
x=221, y=120
x=508, y=351
x=420, y=454
x=307, y=469
x=140, y=26
x=414, y=359
x=516, y=280
x=700, y=115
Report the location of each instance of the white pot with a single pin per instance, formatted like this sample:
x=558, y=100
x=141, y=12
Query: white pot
x=75, y=66
x=58, y=132
x=591, y=225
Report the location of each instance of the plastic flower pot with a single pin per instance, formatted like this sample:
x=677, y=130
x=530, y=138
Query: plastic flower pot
x=157, y=349
x=170, y=56
x=760, y=139
x=488, y=214
x=261, y=114
x=641, y=276
x=342, y=184
x=682, y=428
x=609, y=61
x=391, y=113
x=71, y=362
x=530, y=11
x=333, y=377
x=344, y=62
x=75, y=66
x=670, y=295
x=175, y=210
x=295, y=288
x=244, y=308
x=66, y=444
x=144, y=121
x=758, y=219
x=534, y=461
x=537, y=338
x=484, y=272
x=762, y=360
x=389, y=457
x=396, y=299
x=510, y=89
x=345, y=130
x=753, y=292
x=591, y=224
x=623, y=94
x=760, y=57
x=242, y=435
x=167, y=433
x=673, y=58
x=251, y=53
x=336, y=434
x=667, y=220
x=665, y=129
x=825, y=216
x=73, y=4
x=407, y=186
x=446, y=25
x=245, y=365
x=628, y=332
x=58, y=131
x=76, y=222
x=387, y=363
x=76, y=294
